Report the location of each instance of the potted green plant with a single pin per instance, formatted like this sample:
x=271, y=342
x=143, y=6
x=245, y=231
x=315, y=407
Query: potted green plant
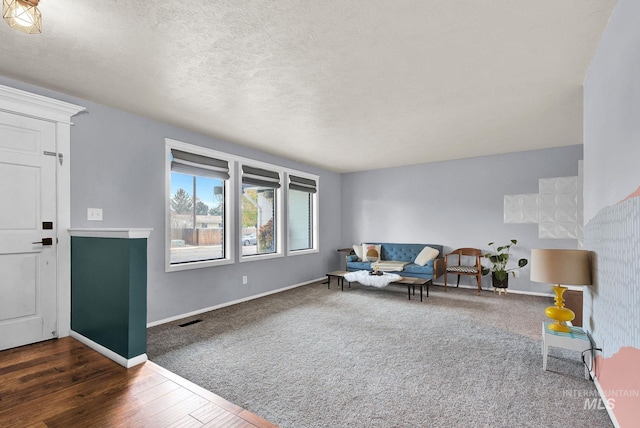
x=499, y=259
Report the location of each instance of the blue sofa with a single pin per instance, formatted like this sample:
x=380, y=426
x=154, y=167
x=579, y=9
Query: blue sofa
x=405, y=253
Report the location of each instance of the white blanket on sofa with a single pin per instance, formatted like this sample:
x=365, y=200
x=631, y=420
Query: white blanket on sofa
x=389, y=265
x=364, y=278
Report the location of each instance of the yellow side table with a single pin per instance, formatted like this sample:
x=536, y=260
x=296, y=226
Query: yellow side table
x=576, y=340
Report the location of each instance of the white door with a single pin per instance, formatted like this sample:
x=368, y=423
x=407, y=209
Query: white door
x=27, y=202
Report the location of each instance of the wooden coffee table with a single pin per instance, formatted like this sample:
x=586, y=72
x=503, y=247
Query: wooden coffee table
x=337, y=274
x=411, y=283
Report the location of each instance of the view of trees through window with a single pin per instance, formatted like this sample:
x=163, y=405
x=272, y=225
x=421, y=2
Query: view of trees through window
x=197, y=218
x=206, y=188
x=258, y=220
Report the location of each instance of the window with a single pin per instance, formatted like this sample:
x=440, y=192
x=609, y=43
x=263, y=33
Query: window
x=302, y=214
x=259, y=218
x=221, y=207
x=197, y=208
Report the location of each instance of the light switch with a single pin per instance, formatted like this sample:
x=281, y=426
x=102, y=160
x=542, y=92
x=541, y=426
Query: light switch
x=94, y=214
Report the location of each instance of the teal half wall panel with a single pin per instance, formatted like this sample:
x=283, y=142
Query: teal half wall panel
x=109, y=291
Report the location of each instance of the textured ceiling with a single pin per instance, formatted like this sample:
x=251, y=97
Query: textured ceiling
x=346, y=85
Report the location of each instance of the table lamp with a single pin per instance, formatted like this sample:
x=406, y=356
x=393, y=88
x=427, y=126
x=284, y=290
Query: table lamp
x=560, y=267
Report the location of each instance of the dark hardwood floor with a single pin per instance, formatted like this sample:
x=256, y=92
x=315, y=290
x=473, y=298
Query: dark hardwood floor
x=63, y=383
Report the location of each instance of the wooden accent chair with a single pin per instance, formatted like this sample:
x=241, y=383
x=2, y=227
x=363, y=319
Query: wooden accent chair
x=457, y=268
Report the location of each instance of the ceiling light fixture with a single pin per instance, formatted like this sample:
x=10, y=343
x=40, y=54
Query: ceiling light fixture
x=23, y=15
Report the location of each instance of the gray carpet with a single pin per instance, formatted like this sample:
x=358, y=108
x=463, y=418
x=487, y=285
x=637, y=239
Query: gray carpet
x=313, y=357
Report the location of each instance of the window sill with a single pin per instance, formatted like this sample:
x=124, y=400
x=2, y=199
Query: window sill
x=197, y=265
x=302, y=252
x=256, y=257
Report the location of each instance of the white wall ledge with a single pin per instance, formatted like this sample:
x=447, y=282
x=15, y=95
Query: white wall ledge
x=127, y=233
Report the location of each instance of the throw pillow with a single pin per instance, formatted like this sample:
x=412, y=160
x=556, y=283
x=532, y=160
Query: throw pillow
x=357, y=248
x=370, y=252
x=427, y=254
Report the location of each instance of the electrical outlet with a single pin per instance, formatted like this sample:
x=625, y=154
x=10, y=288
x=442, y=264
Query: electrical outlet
x=244, y=280
x=94, y=214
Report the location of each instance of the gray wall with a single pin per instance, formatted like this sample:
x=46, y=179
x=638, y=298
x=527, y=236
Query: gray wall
x=611, y=113
x=454, y=203
x=117, y=164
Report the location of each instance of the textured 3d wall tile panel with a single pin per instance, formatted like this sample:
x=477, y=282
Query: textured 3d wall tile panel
x=557, y=208
x=521, y=208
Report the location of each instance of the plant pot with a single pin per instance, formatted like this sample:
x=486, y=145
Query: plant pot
x=497, y=283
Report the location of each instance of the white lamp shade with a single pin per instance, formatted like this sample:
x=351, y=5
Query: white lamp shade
x=564, y=267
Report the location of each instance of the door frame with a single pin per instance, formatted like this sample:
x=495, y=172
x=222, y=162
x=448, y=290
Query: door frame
x=18, y=102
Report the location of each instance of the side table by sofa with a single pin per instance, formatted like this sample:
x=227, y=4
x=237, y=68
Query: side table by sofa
x=577, y=340
x=347, y=251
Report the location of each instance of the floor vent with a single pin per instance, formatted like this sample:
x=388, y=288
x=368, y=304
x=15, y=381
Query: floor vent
x=189, y=323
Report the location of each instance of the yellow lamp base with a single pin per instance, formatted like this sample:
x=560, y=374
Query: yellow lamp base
x=559, y=312
x=557, y=326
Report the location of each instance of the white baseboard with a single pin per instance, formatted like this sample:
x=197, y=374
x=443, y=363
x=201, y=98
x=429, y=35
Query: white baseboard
x=124, y=362
x=257, y=296
x=510, y=290
x=233, y=302
x=530, y=293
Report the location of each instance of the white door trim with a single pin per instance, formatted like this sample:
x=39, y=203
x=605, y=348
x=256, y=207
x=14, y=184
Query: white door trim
x=23, y=103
